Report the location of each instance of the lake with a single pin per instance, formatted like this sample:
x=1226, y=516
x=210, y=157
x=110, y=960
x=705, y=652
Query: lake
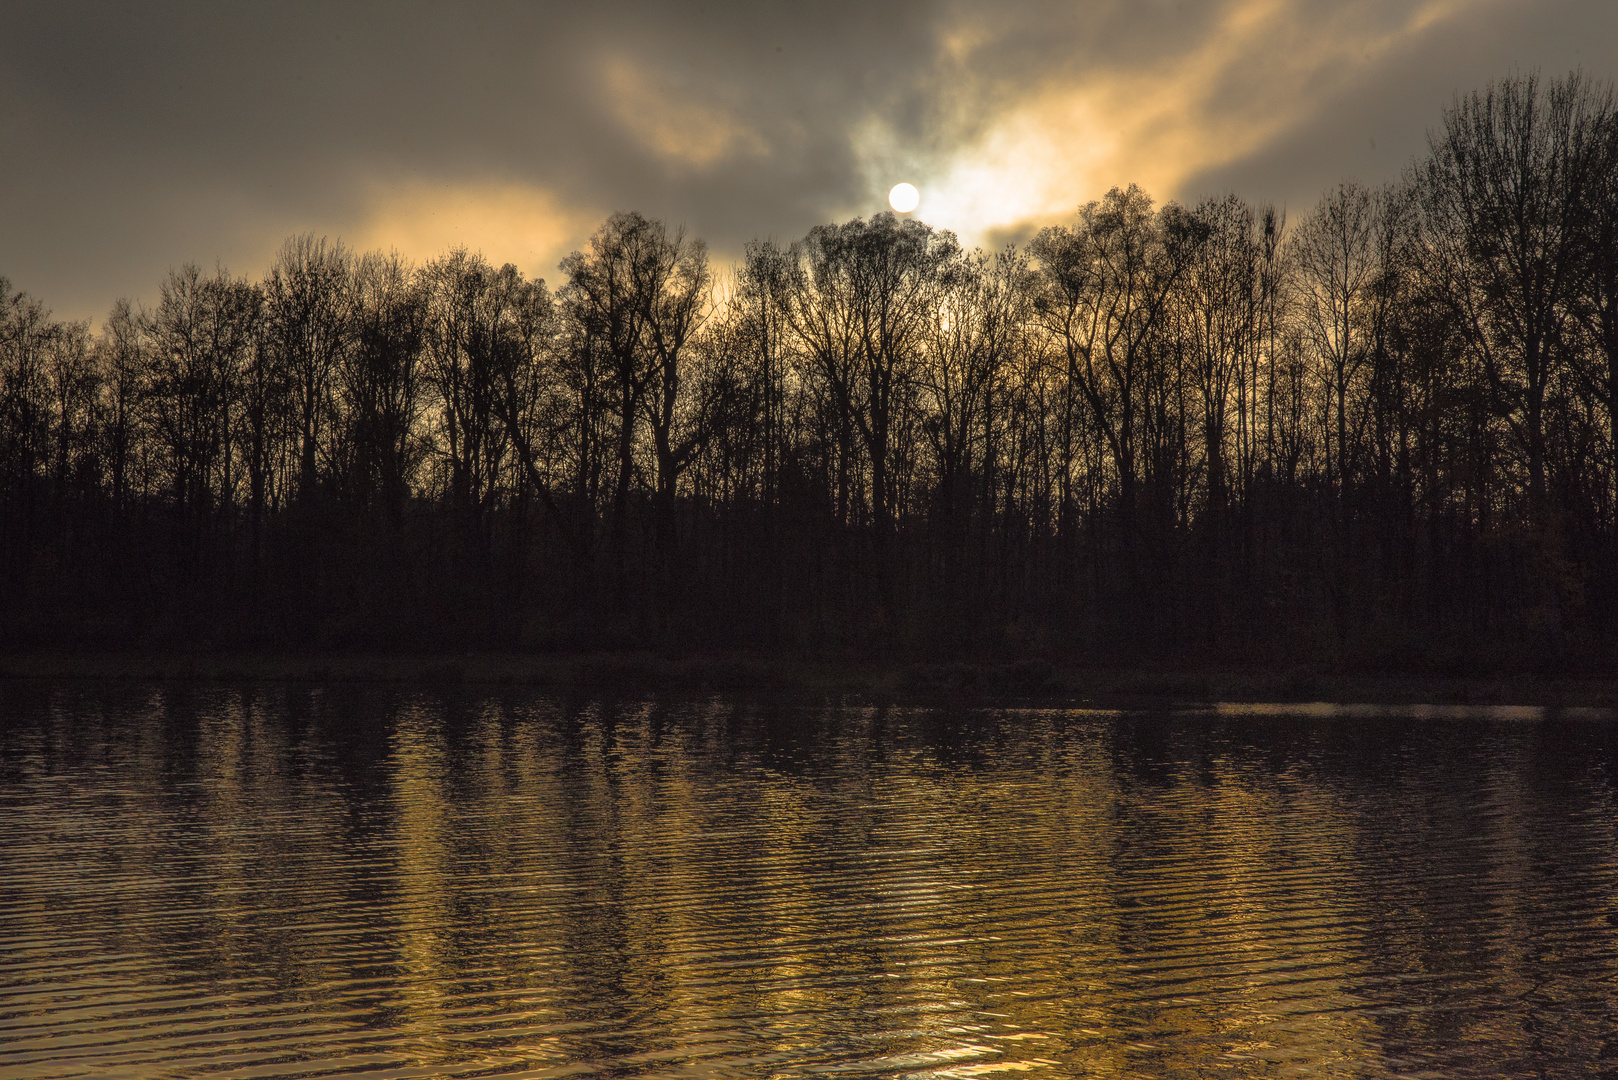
x=272, y=881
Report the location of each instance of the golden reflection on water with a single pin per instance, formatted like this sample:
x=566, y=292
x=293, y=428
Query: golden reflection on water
x=308, y=882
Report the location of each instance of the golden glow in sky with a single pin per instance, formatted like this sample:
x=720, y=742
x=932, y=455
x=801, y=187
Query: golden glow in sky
x=1029, y=154
x=515, y=130
x=508, y=222
x=1005, y=155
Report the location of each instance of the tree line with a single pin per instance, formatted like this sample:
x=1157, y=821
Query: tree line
x=1386, y=432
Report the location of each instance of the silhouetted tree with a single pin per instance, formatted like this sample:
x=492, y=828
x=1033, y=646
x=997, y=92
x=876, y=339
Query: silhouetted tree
x=1390, y=429
x=201, y=336
x=1504, y=188
x=308, y=309
x=381, y=379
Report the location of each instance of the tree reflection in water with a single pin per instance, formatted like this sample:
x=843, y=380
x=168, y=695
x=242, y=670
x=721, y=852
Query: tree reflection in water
x=296, y=881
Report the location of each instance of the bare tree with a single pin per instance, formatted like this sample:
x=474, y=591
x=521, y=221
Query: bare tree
x=26, y=334
x=460, y=332
x=202, y=332
x=75, y=390
x=308, y=308
x=1595, y=306
x=1505, y=190
x=679, y=301
x=637, y=297
x=381, y=381
x=123, y=357
x=759, y=309
x=1222, y=298
x=973, y=336
x=859, y=305
x=546, y=401
x=1108, y=283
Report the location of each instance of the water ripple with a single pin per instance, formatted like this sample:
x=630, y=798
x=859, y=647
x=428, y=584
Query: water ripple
x=286, y=883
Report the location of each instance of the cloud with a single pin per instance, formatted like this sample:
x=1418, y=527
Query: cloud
x=1259, y=69
x=664, y=118
x=507, y=221
x=139, y=137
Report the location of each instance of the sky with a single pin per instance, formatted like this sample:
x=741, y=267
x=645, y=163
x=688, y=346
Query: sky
x=137, y=138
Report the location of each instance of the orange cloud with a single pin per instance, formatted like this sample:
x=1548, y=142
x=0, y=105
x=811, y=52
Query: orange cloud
x=508, y=222
x=1268, y=66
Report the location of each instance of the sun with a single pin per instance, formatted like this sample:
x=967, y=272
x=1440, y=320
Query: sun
x=904, y=197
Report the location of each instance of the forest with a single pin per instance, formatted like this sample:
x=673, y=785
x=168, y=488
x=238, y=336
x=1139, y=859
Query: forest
x=1383, y=432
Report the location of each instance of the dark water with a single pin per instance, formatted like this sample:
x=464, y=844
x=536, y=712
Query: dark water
x=274, y=882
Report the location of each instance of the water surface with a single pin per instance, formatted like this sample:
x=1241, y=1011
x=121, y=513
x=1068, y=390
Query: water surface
x=278, y=882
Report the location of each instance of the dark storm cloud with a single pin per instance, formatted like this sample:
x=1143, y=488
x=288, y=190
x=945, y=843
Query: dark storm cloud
x=1371, y=132
x=175, y=132
x=140, y=137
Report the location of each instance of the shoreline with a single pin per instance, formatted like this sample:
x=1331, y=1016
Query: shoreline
x=1032, y=682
